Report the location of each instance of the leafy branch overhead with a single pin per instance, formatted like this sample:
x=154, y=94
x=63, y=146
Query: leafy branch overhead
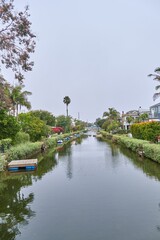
x=16, y=39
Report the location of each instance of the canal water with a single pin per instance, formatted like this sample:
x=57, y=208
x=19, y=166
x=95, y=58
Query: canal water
x=89, y=190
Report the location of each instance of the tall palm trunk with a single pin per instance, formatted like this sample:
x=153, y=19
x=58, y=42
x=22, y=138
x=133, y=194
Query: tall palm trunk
x=66, y=101
x=67, y=110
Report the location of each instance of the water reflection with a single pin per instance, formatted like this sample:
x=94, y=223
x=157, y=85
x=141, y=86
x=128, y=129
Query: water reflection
x=149, y=167
x=47, y=162
x=64, y=154
x=15, y=210
x=67, y=158
x=69, y=166
x=114, y=150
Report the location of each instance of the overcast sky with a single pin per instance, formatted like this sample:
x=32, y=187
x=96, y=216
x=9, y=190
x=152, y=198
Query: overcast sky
x=97, y=52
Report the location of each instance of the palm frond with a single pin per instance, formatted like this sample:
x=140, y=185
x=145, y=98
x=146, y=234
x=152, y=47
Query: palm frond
x=150, y=75
x=157, y=78
x=157, y=69
x=155, y=96
x=105, y=114
x=27, y=93
x=157, y=87
x=154, y=75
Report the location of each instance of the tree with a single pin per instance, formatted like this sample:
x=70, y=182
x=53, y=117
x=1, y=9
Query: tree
x=5, y=100
x=113, y=126
x=64, y=122
x=16, y=39
x=156, y=76
x=111, y=114
x=8, y=125
x=105, y=125
x=112, y=122
x=19, y=98
x=35, y=127
x=143, y=117
x=66, y=101
x=45, y=116
x=78, y=125
x=129, y=119
x=99, y=122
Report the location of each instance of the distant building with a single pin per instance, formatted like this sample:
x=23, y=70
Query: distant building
x=134, y=114
x=131, y=113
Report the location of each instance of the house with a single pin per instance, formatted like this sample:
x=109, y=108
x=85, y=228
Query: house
x=132, y=113
x=135, y=114
x=155, y=112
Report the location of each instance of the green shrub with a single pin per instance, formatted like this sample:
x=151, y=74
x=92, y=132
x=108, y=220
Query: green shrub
x=146, y=131
x=22, y=137
x=5, y=144
x=152, y=151
x=51, y=142
x=23, y=150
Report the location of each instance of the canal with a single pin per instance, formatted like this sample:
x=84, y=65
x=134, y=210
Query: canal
x=89, y=190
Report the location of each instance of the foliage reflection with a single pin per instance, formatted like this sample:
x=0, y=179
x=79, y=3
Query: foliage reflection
x=15, y=208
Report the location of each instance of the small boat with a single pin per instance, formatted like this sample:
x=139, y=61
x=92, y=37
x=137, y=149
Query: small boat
x=67, y=139
x=60, y=141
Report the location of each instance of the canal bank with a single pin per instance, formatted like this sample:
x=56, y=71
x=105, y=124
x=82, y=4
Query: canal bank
x=29, y=149
x=141, y=147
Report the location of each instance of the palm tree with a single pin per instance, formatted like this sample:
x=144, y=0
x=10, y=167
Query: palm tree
x=112, y=121
x=129, y=119
x=67, y=101
x=111, y=114
x=143, y=117
x=19, y=98
x=156, y=76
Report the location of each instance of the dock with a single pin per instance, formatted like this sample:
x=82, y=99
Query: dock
x=28, y=164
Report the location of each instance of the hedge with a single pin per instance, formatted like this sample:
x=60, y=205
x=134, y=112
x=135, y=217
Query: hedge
x=146, y=131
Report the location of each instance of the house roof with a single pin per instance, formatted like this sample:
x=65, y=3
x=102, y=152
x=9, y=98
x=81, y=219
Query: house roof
x=137, y=112
x=155, y=105
x=132, y=112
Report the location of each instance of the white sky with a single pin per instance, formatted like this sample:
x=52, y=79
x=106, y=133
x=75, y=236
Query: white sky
x=97, y=52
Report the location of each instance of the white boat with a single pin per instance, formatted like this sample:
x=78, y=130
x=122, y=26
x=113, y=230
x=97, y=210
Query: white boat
x=60, y=141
